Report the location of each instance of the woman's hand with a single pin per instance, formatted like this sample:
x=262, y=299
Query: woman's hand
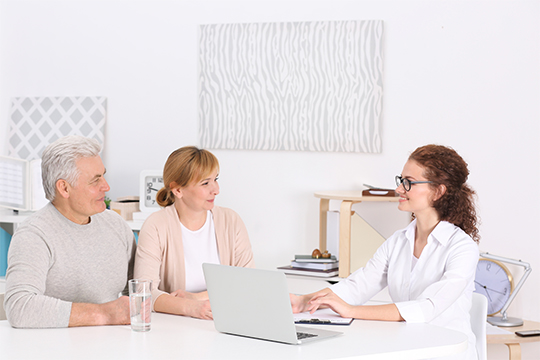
x=181, y=302
x=196, y=305
x=199, y=309
x=331, y=300
x=193, y=296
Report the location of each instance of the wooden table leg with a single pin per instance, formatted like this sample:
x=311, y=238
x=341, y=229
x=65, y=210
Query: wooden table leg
x=324, y=206
x=515, y=351
x=345, y=239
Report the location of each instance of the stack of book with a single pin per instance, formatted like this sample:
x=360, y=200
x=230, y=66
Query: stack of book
x=308, y=266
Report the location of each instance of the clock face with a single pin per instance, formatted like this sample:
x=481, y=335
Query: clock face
x=152, y=184
x=151, y=181
x=494, y=281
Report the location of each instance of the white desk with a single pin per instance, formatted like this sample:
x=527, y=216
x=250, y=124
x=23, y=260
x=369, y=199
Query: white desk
x=9, y=220
x=187, y=338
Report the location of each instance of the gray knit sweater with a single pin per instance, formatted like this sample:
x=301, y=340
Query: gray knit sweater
x=54, y=262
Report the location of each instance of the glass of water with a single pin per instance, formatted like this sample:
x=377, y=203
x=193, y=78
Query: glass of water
x=140, y=304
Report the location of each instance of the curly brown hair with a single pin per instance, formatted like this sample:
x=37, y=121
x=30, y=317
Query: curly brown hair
x=443, y=165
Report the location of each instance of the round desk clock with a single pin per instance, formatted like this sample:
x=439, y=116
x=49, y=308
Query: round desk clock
x=151, y=181
x=495, y=282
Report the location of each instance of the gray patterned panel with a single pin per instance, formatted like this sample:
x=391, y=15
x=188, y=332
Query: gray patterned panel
x=307, y=86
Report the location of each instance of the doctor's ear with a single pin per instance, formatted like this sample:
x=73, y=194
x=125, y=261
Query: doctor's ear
x=441, y=190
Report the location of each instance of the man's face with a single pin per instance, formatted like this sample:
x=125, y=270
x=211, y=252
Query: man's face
x=86, y=197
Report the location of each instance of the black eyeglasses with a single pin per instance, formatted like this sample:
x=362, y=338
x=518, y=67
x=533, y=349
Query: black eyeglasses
x=408, y=183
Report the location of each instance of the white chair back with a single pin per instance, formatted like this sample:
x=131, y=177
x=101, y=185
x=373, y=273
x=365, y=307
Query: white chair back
x=2, y=311
x=478, y=323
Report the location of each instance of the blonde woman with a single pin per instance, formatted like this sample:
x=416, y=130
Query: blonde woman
x=189, y=231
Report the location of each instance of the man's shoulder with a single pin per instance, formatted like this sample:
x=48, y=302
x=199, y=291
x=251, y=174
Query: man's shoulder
x=43, y=218
x=111, y=218
x=111, y=227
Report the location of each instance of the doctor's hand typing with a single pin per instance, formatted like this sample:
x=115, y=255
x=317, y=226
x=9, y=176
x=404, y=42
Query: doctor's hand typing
x=330, y=300
x=300, y=303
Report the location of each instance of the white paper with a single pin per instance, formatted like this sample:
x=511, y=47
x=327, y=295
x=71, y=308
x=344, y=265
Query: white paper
x=494, y=330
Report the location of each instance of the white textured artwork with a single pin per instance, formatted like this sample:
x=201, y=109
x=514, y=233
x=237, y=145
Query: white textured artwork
x=307, y=86
x=36, y=122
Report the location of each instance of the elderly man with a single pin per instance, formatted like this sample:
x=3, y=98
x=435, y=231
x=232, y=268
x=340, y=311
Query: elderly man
x=69, y=262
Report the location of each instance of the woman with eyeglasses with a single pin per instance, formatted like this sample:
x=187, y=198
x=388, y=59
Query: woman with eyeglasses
x=429, y=266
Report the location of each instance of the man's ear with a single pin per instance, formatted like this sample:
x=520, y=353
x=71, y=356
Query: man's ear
x=441, y=190
x=62, y=188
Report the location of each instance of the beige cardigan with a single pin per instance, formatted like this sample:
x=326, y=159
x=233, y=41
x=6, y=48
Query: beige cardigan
x=160, y=252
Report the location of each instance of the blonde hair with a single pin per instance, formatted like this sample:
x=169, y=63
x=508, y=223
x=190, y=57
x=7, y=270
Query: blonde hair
x=185, y=166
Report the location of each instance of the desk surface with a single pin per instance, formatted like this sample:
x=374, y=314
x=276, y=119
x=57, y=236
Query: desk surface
x=9, y=216
x=188, y=338
x=513, y=338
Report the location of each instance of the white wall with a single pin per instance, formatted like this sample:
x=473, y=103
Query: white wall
x=464, y=74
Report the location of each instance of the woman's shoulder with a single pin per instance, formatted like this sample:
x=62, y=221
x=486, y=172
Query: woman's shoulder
x=403, y=234
x=161, y=217
x=219, y=211
x=455, y=239
x=448, y=231
x=226, y=217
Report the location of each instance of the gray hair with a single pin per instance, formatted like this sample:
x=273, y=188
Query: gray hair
x=59, y=161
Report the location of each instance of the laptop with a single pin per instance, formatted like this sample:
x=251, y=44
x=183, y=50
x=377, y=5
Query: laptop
x=255, y=303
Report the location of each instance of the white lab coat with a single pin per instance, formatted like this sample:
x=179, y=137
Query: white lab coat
x=438, y=290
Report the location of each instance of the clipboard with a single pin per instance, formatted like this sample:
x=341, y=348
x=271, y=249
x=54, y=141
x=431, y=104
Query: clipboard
x=321, y=317
x=376, y=191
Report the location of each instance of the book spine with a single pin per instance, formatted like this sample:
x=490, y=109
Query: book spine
x=317, y=266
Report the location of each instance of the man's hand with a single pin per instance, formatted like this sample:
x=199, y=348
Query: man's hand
x=117, y=311
x=114, y=312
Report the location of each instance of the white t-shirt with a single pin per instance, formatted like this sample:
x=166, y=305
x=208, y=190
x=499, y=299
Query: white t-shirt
x=413, y=262
x=438, y=290
x=200, y=247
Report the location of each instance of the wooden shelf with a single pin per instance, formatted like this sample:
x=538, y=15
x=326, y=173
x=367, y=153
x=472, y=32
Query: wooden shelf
x=347, y=198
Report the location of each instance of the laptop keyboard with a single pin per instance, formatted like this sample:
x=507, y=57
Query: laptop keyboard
x=303, y=335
